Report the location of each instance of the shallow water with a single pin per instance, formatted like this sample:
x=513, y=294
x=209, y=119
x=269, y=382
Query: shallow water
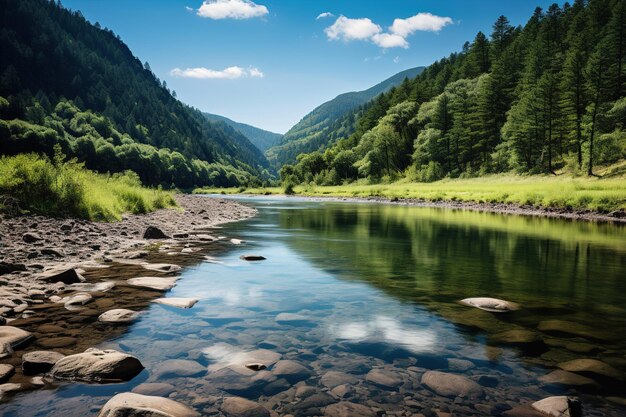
x=372, y=286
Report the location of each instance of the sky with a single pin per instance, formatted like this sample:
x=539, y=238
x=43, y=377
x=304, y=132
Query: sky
x=270, y=62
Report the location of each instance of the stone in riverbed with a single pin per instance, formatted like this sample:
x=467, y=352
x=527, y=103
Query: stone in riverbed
x=569, y=379
x=153, y=232
x=13, y=337
x=95, y=365
x=516, y=337
x=31, y=237
x=93, y=287
x=154, y=283
x=178, y=368
x=7, y=268
x=57, y=342
x=451, y=385
x=177, y=302
x=9, y=389
x=332, y=379
x=165, y=268
x=574, y=329
x=348, y=409
x=292, y=371
x=160, y=389
x=118, y=315
x=6, y=372
x=592, y=367
x=560, y=406
x=129, y=404
x=493, y=305
x=252, y=257
x=66, y=276
x=39, y=361
x=384, y=378
x=75, y=301
x=460, y=365
x=241, y=407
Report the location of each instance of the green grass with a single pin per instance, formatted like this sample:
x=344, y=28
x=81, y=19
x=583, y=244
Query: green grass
x=581, y=193
x=67, y=189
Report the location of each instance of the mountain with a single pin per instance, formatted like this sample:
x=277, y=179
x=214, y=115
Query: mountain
x=311, y=133
x=260, y=138
x=547, y=98
x=66, y=81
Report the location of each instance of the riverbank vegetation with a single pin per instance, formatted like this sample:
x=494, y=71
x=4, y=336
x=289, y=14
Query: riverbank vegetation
x=34, y=183
x=545, y=98
x=563, y=192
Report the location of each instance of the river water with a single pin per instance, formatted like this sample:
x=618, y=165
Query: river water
x=364, y=298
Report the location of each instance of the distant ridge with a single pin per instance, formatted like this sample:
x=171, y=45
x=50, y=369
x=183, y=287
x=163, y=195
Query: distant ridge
x=262, y=139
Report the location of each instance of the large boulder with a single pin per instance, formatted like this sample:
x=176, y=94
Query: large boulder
x=39, y=361
x=95, y=365
x=240, y=407
x=153, y=283
x=13, y=337
x=118, y=315
x=493, y=305
x=129, y=404
x=559, y=406
x=66, y=276
x=451, y=385
x=153, y=232
x=348, y=409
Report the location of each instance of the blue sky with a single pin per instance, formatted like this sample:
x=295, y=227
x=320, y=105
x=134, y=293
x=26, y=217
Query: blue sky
x=269, y=62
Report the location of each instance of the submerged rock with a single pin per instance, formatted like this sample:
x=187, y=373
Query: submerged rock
x=332, y=379
x=593, y=367
x=95, y=365
x=118, y=315
x=154, y=283
x=178, y=368
x=240, y=407
x=39, y=361
x=569, y=379
x=451, y=385
x=162, y=267
x=348, y=409
x=292, y=371
x=574, y=329
x=160, y=389
x=560, y=406
x=384, y=378
x=129, y=404
x=177, y=302
x=493, y=305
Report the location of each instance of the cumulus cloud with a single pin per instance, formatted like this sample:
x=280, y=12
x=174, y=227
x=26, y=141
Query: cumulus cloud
x=230, y=73
x=387, y=40
x=324, y=15
x=420, y=22
x=231, y=9
x=348, y=29
x=190, y=9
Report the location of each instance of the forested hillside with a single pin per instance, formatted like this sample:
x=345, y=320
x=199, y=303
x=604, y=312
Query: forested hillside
x=262, y=139
x=330, y=121
x=64, y=80
x=547, y=97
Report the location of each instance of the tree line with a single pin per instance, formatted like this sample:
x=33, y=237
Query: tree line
x=542, y=98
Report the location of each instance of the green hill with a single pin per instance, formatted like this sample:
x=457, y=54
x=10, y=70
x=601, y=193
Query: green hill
x=64, y=80
x=329, y=121
x=260, y=138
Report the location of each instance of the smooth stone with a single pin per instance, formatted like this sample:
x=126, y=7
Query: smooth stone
x=177, y=302
x=575, y=329
x=383, y=378
x=162, y=267
x=332, y=379
x=236, y=241
x=67, y=276
x=559, y=406
x=130, y=404
x=592, y=366
x=160, y=389
x=13, y=337
x=30, y=237
x=292, y=371
x=76, y=300
x=516, y=337
x=93, y=287
x=252, y=257
x=154, y=283
x=348, y=409
x=153, y=232
x=451, y=385
x=57, y=342
x=6, y=372
x=290, y=317
x=460, y=365
x=118, y=315
x=493, y=305
x=178, y=368
x=560, y=377
x=241, y=407
x=39, y=361
x=9, y=388
x=95, y=365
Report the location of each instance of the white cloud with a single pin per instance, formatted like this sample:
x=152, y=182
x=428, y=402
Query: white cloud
x=230, y=73
x=420, y=22
x=324, y=15
x=352, y=29
x=387, y=40
x=396, y=60
x=231, y=9
x=189, y=9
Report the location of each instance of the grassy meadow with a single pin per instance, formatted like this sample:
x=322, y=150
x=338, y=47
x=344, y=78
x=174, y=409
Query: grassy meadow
x=581, y=193
x=32, y=183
